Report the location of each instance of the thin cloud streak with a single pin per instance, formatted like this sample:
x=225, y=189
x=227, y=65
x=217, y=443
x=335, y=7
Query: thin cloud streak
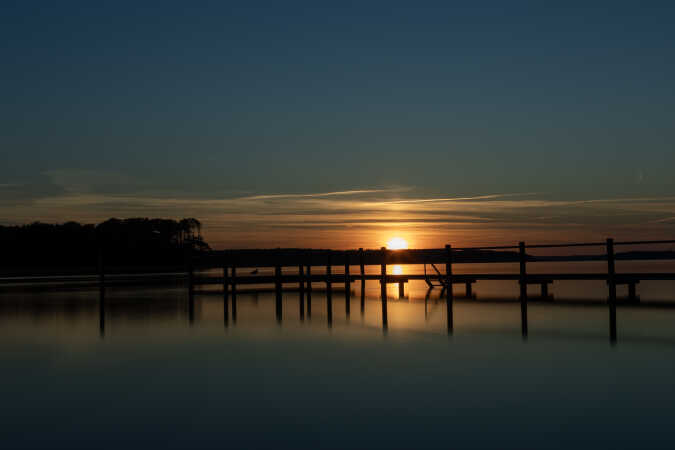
x=319, y=194
x=457, y=199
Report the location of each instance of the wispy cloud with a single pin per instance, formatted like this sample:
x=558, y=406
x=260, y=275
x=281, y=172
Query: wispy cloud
x=321, y=194
x=457, y=199
x=664, y=220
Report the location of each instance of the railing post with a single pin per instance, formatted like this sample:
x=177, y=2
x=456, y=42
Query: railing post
x=523, y=288
x=226, y=292
x=101, y=273
x=348, y=285
x=448, y=287
x=632, y=292
x=226, y=283
x=363, y=281
x=301, y=277
x=383, y=286
x=329, y=289
x=191, y=292
x=101, y=318
x=277, y=282
x=611, y=282
x=101, y=298
x=101, y=289
x=190, y=270
x=234, y=292
x=309, y=289
x=523, y=270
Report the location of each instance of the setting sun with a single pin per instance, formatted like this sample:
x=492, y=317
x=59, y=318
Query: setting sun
x=397, y=243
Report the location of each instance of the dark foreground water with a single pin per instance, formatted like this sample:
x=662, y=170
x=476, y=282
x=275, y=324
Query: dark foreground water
x=151, y=373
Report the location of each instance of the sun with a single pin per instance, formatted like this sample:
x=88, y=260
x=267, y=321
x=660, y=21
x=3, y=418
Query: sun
x=397, y=243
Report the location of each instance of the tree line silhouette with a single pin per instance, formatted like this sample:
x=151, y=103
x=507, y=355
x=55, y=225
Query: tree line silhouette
x=120, y=242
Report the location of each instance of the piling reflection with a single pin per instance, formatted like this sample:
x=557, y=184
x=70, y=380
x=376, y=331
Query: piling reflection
x=101, y=313
x=148, y=331
x=191, y=307
x=434, y=310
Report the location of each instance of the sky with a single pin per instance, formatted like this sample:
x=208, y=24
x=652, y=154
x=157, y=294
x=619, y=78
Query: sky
x=342, y=124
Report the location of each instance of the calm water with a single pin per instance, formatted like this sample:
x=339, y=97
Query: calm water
x=153, y=374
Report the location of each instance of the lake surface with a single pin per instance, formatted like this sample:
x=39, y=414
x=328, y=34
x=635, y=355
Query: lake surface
x=155, y=370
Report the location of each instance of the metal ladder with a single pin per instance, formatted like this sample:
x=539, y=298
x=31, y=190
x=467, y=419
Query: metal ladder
x=428, y=280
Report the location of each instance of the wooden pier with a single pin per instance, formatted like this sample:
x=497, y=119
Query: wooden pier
x=304, y=260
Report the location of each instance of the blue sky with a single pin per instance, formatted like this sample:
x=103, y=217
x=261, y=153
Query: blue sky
x=117, y=109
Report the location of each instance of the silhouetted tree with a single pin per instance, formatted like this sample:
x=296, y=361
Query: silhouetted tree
x=131, y=242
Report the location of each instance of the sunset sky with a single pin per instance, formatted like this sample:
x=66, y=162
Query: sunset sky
x=294, y=124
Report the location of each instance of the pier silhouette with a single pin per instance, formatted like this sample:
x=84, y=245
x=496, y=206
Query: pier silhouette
x=242, y=271
x=279, y=259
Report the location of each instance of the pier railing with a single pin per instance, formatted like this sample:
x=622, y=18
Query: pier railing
x=304, y=260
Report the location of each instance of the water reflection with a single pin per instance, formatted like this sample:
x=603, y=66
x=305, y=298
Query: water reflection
x=171, y=361
x=423, y=310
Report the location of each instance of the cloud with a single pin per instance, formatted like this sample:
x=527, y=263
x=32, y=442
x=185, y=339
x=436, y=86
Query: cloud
x=320, y=194
x=456, y=199
x=665, y=220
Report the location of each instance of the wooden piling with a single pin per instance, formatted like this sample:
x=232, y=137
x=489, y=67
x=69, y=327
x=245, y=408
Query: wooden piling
x=401, y=289
x=544, y=290
x=348, y=285
x=611, y=282
x=469, y=291
x=101, y=294
x=309, y=290
x=523, y=288
x=226, y=283
x=234, y=293
x=363, y=281
x=632, y=291
x=301, y=277
x=101, y=316
x=383, y=286
x=329, y=289
x=277, y=282
x=523, y=270
x=226, y=294
x=190, y=271
x=101, y=273
x=448, y=287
